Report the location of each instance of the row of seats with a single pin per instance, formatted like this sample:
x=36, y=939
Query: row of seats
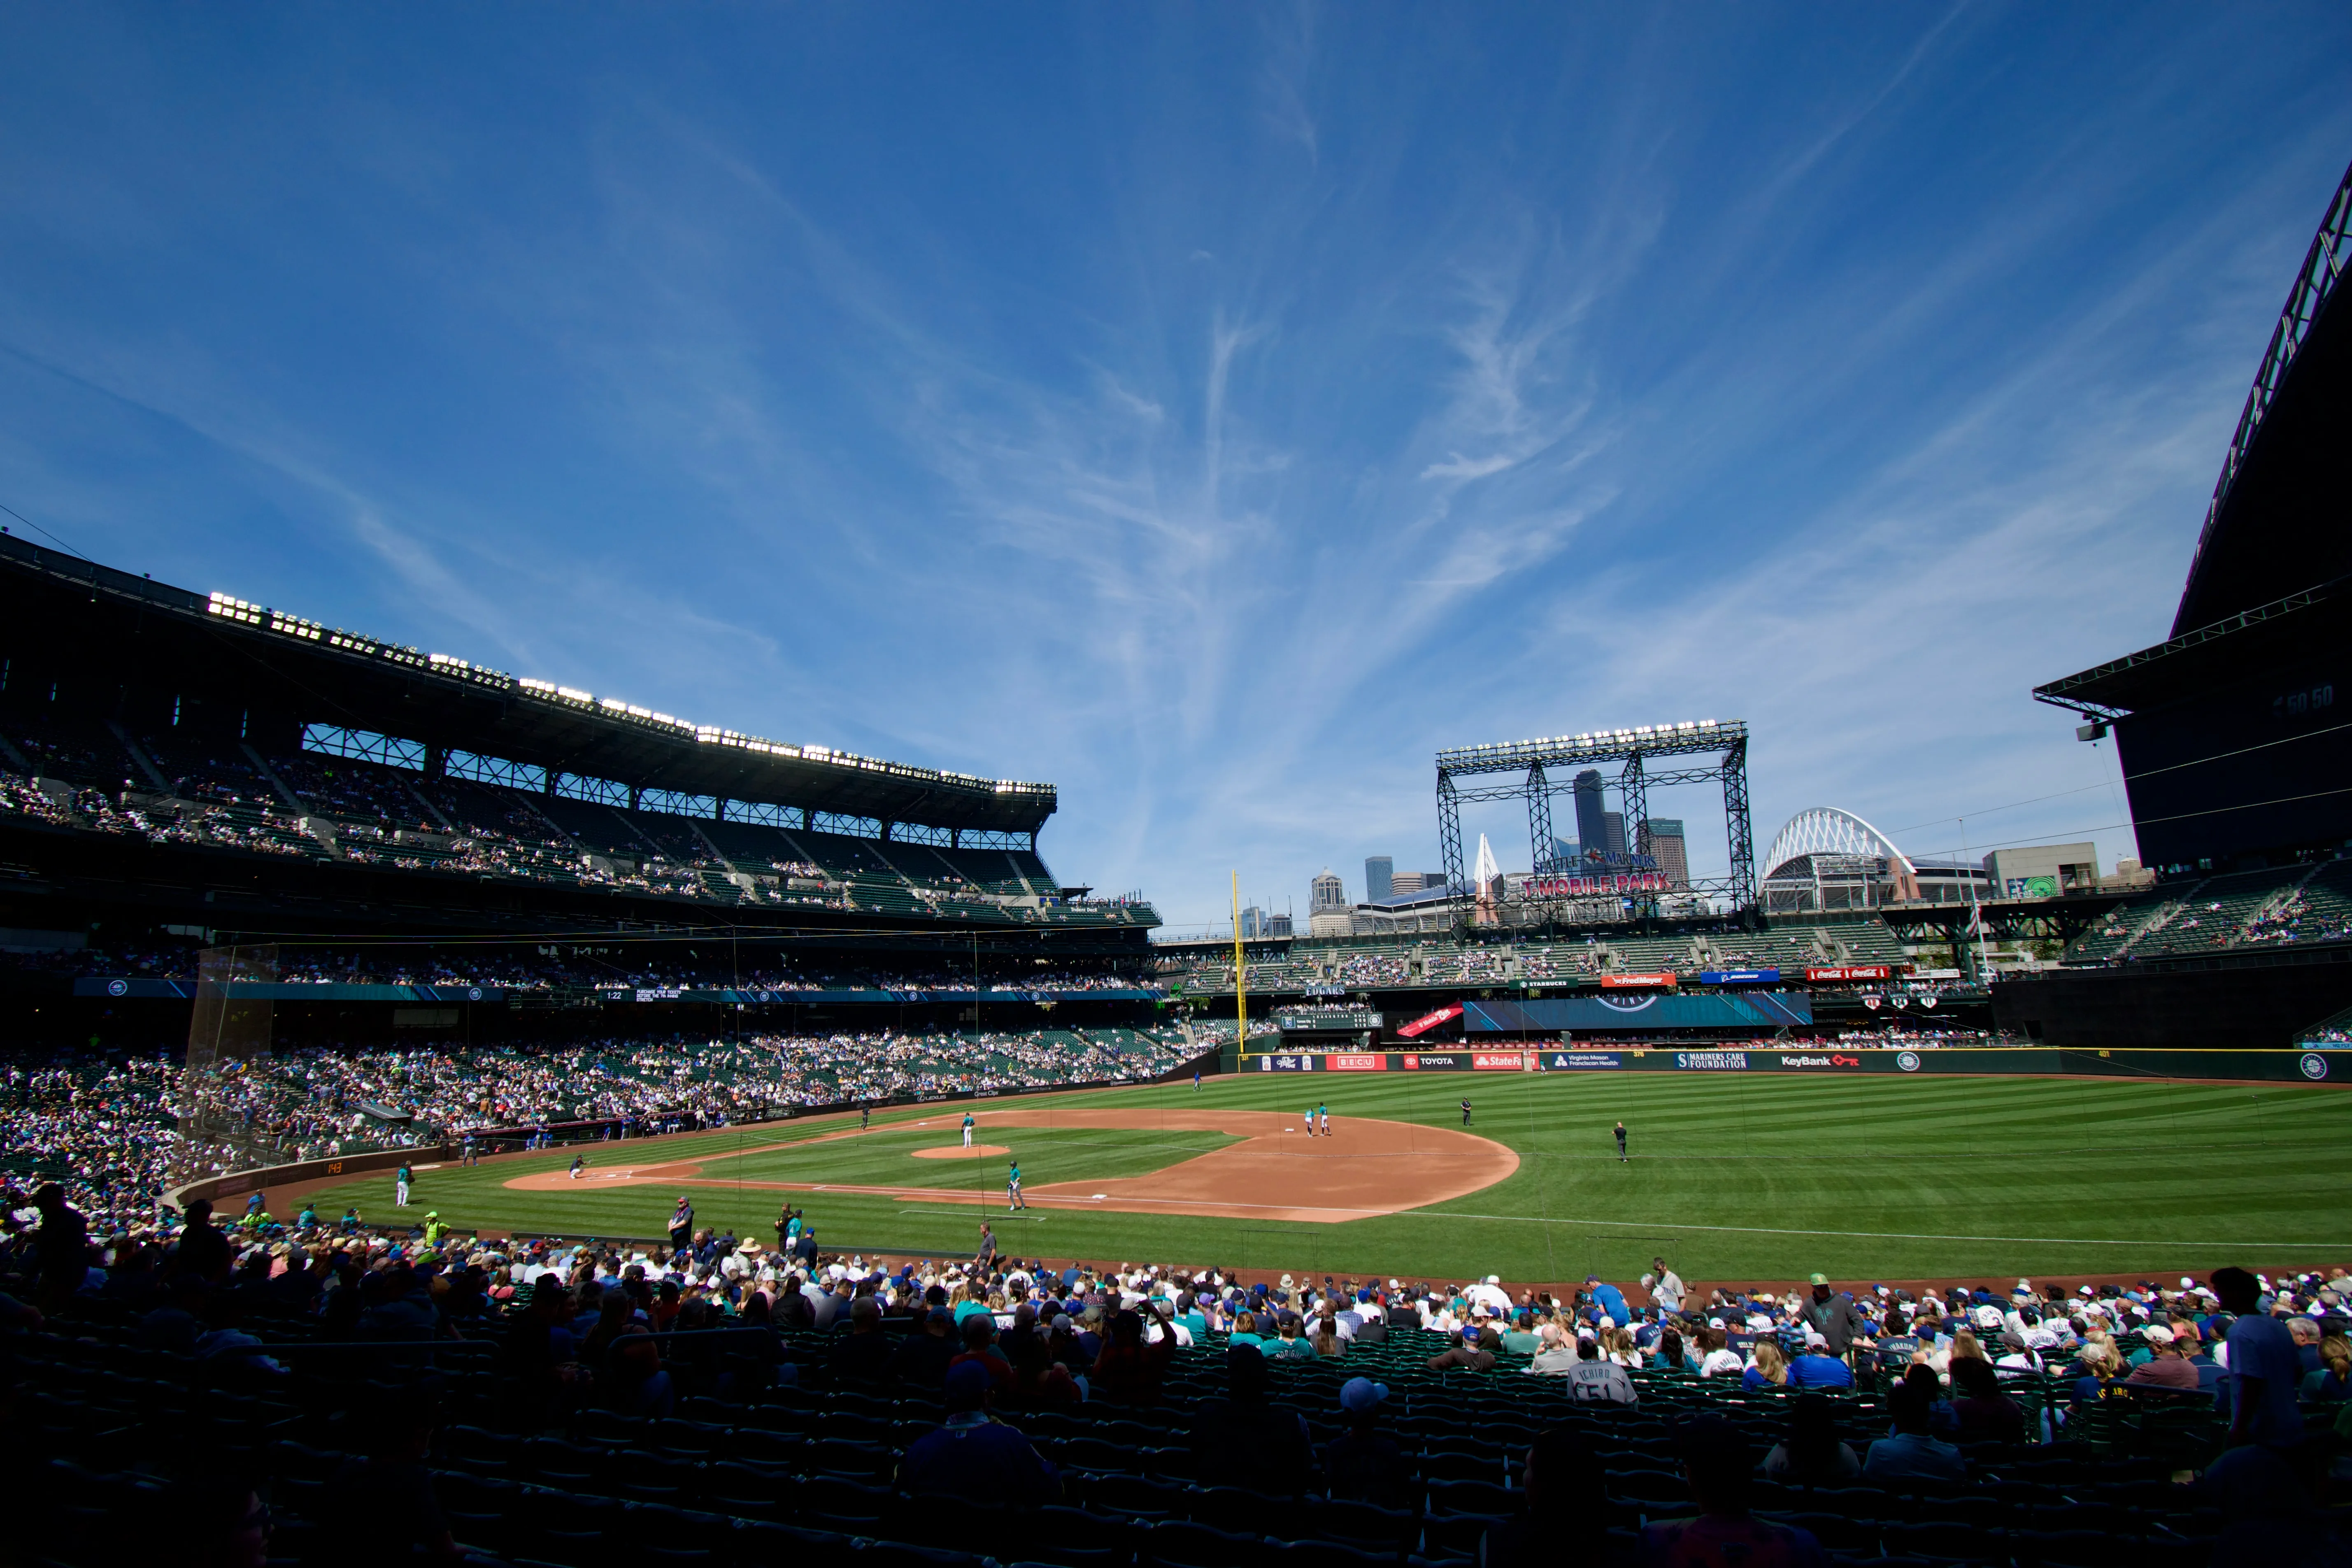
x=813, y=1463
x=219, y=793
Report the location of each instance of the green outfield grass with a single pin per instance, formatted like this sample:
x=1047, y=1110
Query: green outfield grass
x=1735, y=1177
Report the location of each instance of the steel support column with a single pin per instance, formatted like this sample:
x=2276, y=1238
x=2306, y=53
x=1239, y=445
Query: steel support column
x=1449, y=842
x=1539, y=817
x=1735, y=816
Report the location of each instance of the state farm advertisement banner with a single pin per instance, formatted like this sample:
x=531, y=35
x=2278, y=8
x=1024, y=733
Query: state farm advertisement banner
x=1498, y=1061
x=1852, y=971
x=1356, y=1063
x=1429, y=1021
x=1617, y=981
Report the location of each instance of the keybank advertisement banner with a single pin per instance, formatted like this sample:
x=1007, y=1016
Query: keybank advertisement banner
x=1644, y=1012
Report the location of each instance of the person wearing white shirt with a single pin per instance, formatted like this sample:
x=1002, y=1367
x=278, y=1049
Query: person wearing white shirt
x=1489, y=1293
x=1720, y=1357
x=1666, y=1288
x=1160, y=1323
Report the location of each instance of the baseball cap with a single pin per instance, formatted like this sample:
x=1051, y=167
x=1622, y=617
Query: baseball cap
x=967, y=1386
x=1821, y=1278
x=1359, y=1395
x=2157, y=1334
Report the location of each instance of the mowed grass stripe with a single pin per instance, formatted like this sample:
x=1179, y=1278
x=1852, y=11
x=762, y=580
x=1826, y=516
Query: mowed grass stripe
x=1736, y=1177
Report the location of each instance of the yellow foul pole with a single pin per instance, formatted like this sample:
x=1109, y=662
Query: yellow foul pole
x=1241, y=978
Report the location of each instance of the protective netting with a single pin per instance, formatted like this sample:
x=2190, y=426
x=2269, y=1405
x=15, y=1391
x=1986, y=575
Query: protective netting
x=223, y=1126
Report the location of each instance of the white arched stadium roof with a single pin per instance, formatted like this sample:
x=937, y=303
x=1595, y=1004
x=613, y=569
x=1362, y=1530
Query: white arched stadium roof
x=1826, y=830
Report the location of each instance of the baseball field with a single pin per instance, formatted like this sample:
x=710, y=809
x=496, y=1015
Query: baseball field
x=1748, y=1177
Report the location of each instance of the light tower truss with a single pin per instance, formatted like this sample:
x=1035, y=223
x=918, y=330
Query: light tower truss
x=1540, y=768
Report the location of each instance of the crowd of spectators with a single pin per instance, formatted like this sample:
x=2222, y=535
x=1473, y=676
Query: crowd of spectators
x=116, y=1127
x=2298, y=918
x=1275, y=1387
x=318, y=806
x=1964, y=1372
x=1925, y=1035
x=588, y=967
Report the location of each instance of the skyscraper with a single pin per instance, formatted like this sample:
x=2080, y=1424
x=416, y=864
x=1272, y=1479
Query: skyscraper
x=1380, y=873
x=1613, y=825
x=1329, y=893
x=1661, y=838
x=1591, y=811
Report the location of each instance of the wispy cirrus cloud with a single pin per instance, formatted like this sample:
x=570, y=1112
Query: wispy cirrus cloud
x=1214, y=421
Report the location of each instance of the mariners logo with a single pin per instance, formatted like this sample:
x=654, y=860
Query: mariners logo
x=2313, y=1066
x=1630, y=1004
x=1907, y=1060
x=118, y=987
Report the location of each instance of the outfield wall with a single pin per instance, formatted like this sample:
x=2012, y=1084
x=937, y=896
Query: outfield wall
x=2329, y=1067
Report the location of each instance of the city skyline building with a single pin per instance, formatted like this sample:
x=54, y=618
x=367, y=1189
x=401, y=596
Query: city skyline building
x=1661, y=838
x=1380, y=875
x=1591, y=811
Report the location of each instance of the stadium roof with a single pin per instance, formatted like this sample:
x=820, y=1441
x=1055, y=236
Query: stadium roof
x=2274, y=524
x=333, y=676
x=2306, y=621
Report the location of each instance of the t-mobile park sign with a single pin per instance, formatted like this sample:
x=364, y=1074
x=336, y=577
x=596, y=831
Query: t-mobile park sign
x=1429, y=1021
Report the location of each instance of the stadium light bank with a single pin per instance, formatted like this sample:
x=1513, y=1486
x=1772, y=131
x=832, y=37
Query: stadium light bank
x=1603, y=743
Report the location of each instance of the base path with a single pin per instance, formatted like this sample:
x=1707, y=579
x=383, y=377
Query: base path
x=1278, y=1173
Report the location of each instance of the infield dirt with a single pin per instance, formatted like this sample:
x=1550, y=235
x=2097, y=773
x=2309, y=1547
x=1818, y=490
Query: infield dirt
x=1363, y=1168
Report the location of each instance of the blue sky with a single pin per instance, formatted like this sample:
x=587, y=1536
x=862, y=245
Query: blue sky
x=1213, y=411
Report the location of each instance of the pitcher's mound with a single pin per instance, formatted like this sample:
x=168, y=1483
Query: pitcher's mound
x=955, y=1152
